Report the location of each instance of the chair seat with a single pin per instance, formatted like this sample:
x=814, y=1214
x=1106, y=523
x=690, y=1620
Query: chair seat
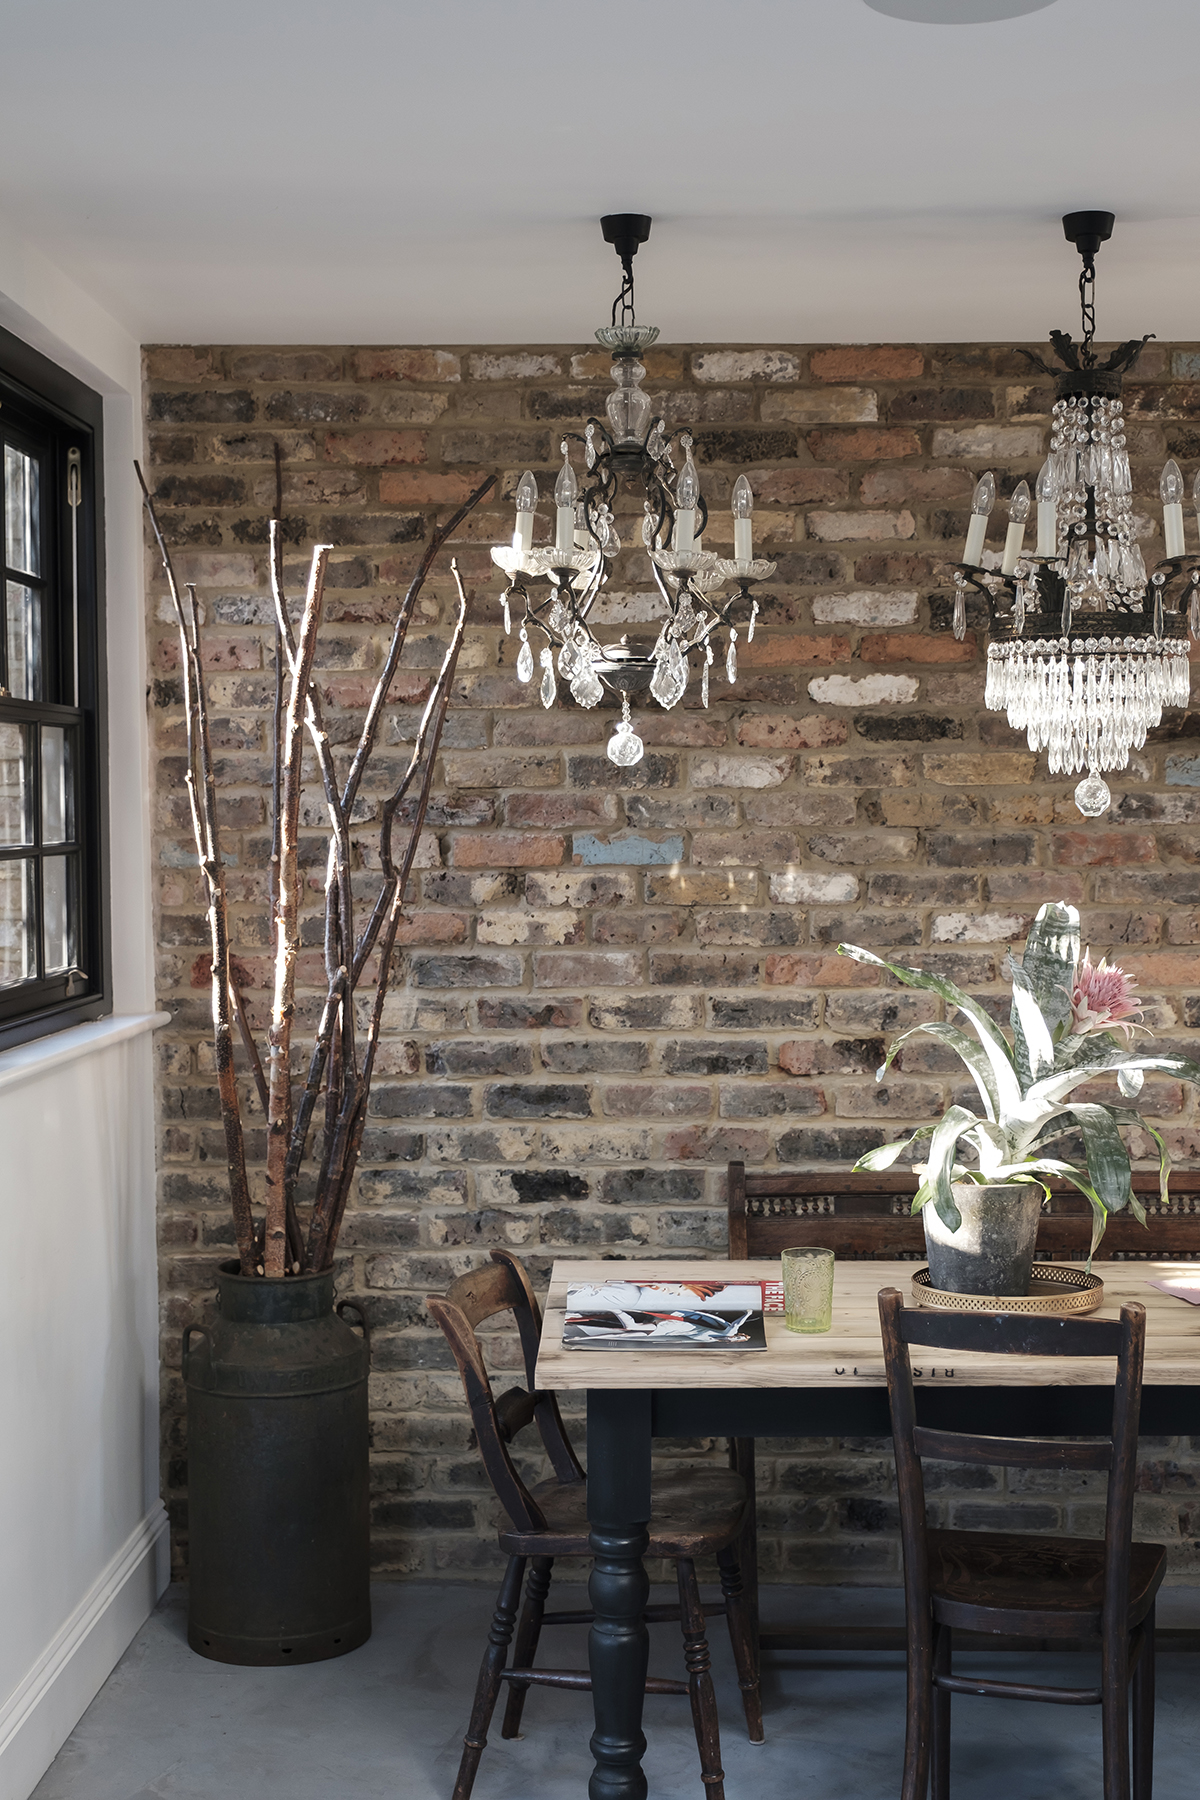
x=1001, y=1581
x=695, y=1512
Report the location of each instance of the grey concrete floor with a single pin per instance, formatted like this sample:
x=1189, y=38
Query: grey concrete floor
x=386, y=1722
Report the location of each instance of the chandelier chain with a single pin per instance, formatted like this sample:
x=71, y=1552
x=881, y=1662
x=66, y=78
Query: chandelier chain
x=1087, y=311
x=624, y=299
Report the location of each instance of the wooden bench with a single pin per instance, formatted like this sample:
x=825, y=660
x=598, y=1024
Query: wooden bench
x=865, y=1217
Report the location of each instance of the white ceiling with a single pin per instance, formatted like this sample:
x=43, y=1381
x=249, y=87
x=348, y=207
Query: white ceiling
x=433, y=170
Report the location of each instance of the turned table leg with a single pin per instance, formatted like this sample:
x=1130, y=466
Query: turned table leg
x=618, y=1454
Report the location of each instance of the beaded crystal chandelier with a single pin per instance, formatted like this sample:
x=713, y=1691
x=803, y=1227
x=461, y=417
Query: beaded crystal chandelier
x=553, y=589
x=1085, y=649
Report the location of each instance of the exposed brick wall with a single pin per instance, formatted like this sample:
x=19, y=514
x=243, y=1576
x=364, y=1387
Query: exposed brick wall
x=615, y=981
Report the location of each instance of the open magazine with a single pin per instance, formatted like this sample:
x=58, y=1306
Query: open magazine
x=671, y=1315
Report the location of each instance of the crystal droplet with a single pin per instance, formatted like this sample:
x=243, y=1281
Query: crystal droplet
x=568, y=660
x=753, y=616
x=524, y=659
x=549, y=688
x=1092, y=796
x=960, y=614
x=731, y=659
x=704, y=681
x=507, y=615
x=587, y=686
x=1194, y=613
x=625, y=747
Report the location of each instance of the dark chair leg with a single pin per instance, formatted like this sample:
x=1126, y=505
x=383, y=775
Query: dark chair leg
x=741, y=1635
x=525, y=1647
x=917, y=1722
x=1143, y=1715
x=700, y=1683
x=487, y=1690
x=1114, y=1709
x=939, y=1763
x=741, y=1459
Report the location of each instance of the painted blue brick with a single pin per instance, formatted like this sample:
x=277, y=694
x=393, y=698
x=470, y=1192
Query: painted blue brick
x=1183, y=771
x=591, y=850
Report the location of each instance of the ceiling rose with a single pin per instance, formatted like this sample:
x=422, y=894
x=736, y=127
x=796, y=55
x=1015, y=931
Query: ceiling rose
x=957, y=12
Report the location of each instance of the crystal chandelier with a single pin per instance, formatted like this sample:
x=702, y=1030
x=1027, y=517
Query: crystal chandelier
x=1085, y=648
x=552, y=590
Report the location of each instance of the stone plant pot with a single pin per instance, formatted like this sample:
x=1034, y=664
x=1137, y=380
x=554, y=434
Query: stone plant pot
x=992, y=1250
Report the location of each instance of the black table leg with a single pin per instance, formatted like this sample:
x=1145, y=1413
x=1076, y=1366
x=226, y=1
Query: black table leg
x=618, y=1453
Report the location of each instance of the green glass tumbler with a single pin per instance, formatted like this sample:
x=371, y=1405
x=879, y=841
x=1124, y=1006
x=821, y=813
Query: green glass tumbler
x=808, y=1289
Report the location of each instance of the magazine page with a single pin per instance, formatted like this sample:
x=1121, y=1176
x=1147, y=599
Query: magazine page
x=676, y=1315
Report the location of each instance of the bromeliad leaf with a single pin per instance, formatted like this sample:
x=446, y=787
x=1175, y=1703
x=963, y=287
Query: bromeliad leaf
x=884, y=1155
x=971, y=1053
x=1107, y=1157
x=1044, y=1095
x=1032, y=1044
x=955, y=1123
x=991, y=1038
x=1051, y=953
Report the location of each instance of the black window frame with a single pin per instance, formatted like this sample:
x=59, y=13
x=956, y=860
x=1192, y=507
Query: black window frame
x=48, y=406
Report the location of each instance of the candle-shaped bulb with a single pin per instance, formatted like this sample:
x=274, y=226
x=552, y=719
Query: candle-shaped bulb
x=527, y=492
x=1044, y=487
x=1014, y=541
x=743, y=507
x=743, y=498
x=1170, y=484
x=1018, y=506
x=566, y=488
x=984, y=497
x=687, y=488
x=527, y=495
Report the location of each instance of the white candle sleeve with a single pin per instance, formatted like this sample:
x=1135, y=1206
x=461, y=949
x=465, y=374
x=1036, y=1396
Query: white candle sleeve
x=1173, y=527
x=1047, y=538
x=1013, y=542
x=564, y=536
x=523, y=535
x=743, y=548
x=685, y=529
x=976, y=533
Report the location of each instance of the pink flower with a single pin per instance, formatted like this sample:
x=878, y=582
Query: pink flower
x=1102, y=998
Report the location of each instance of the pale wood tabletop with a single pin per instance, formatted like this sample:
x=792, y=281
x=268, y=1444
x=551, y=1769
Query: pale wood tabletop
x=851, y=1355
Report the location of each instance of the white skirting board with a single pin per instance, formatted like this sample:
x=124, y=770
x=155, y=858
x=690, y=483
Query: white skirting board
x=36, y=1719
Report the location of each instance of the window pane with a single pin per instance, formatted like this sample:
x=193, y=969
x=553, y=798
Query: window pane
x=14, y=787
x=22, y=537
x=58, y=913
x=58, y=811
x=16, y=923
x=24, y=615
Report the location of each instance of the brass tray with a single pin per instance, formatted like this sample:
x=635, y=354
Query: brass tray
x=1056, y=1289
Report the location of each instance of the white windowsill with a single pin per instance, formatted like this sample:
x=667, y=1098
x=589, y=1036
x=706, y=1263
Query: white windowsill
x=26, y=1061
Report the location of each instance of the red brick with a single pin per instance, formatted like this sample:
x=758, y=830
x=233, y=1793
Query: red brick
x=399, y=487
x=916, y=647
x=784, y=731
x=868, y=444
x=778, y=648
x=716, y=1144
x=797, y=487
x=858, y=362
x=1166, y=970
x=409, y=688
x=1103, y=847
x=376, y=448
x=818, y=969
x=407, y=365
x=506, y=850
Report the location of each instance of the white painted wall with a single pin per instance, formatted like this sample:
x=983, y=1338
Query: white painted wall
x=82, y=1529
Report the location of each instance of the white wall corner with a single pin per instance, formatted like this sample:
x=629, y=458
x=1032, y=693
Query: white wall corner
x=37, y=1719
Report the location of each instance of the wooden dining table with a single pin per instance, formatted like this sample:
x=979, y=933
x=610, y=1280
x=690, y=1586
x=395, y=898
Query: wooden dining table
x=830, y=1384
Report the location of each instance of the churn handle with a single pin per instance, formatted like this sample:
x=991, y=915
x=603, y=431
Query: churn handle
x=340, y=1310
x=187, y=1334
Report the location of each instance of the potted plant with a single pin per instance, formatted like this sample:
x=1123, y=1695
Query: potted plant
x=981, y=1221
x=277, y=1378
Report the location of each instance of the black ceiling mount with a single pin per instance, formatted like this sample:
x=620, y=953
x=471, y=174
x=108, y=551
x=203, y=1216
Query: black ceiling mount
x=1088, y=230
x=625, y=231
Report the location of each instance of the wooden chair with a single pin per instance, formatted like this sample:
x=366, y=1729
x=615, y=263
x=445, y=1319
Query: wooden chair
x=1011, y=1585
x=697, y=1513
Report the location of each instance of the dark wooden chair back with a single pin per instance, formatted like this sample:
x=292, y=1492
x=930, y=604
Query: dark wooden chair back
x=503, y=1286
x=1009, y=1334
x=869, y=1217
